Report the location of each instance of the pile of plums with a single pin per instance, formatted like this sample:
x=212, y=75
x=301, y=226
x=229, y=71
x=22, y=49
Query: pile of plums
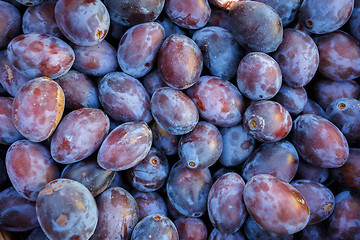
x=179, y=119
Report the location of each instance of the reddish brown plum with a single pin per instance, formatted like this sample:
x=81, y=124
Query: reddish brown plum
x=90, y=174
x=339, y=56
x=30, y=167
x=66, y=210
x=17, y=214
x=326, y=91
x=344, y=223
x=345, y=114
x=118, y=214
x=96, y=60
x=8, y=132
x=225, y=4
x=83, y=22
x=258, y=76
x=218, y=235
x=129, y=13
x=169, y=26
x=319, y=198
x=157, y=227
x=190, y=14
x=287, y=10
x=202, y=147
x=36, y=55
x=218, y=101
x=180, y=61
x=150, y=203
x=312, y=107
x=41, y=19
x=298, y=58
x=167, y=143
x=349, y=173
x=10, y=19
x=221, y=53
x=38, y=108
x=188, y=189
x=256, y=26
x=325, y=16
x=311, y=172
x=225, y=203
x=267, y=121
x=152, y=82
x=174, y=111
x=10, y=79
x=139, y=47
x=254, y=231
x=275, y=204
x=191, y=228
x=278, y=159
x=125, y=146
x=292, y=98
x=237, y=146
x=151, y=173
x=319, y=141
x=80, y=91
x=79, y=134
x=124, y=98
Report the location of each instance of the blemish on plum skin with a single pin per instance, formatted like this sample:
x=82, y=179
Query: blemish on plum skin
x=62, y=220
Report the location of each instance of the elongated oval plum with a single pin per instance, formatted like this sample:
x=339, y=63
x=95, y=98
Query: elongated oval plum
x=79, y=134
x=151, y=173
x=139, y=47
x=10, y=19
x=124, y=98
x=118, y=214
x=190, y=14
x=17, y=214
x=36, y=55
x=90, y=174
x=30, y=167
x=225, y=203
x=217, y=100
x=66, y=210
x=180, y=61
x=157, y=226
x=174, y=111
x=202, y=147
x=125, y=146
x=38, y=108
x=83, y=22
x=279, y=159
x=319, y=141
x=188, y=189
x=275, y=204
x=267, y=121
x=8, y=132
x=320, y=199
x=256, y=26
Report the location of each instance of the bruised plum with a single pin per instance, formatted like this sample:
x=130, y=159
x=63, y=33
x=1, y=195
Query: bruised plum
x=275, y=204
x=66, y=210
x=125, y=146
x=38, y=108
